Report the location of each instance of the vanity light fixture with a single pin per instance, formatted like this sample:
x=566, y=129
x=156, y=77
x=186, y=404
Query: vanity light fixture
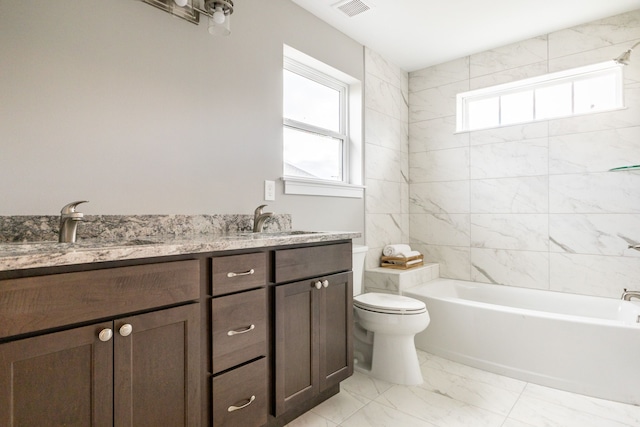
x=625, y=58
x=218, y=11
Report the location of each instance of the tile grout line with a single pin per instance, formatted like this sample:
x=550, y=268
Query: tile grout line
x=515, y=403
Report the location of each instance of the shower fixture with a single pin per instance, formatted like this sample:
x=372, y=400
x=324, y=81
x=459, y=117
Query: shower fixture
x=626, y=56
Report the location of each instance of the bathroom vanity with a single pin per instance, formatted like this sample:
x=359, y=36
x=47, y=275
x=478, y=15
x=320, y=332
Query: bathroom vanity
x=313, y=323
x=242, y=330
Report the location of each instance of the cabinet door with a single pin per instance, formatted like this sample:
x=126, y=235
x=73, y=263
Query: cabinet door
x=62, y=379
x=156, y=368
x=296, y=343
x=336, y=329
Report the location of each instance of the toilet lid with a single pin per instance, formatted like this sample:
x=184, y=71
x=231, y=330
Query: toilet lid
x=388, y=303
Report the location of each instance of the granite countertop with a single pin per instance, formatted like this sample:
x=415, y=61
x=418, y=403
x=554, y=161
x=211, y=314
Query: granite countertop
x=17, y=256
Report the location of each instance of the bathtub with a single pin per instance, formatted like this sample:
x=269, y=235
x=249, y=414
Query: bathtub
x=582, y=344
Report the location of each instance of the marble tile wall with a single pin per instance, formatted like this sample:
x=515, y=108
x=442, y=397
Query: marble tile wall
x=387, y=156
x=529, y=205
x=396, y=281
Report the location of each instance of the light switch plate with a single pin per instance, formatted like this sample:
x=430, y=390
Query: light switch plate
x=269, y=190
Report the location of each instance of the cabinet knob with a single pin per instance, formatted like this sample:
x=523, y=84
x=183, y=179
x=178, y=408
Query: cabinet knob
x=318, y=285
x=125, y=330
x=236, y=408
x=325, y=283
x=105, y=335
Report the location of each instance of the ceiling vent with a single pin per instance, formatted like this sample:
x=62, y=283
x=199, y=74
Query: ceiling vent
x=352, y=8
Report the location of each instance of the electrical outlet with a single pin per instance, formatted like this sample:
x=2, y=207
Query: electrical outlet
x=269, y=190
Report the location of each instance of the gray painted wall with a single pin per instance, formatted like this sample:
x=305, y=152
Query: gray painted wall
x=140, y=112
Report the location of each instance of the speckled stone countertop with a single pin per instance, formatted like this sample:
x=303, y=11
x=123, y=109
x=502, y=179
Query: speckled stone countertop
x=31, y=241
x=17, y=256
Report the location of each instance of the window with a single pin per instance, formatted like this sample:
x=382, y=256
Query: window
x=583, y=90
x=319, y=145
x=315, y=139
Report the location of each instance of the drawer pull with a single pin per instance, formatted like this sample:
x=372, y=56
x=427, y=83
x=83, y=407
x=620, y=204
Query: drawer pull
x=241, y=331
x=235, y=408
x=246, y=273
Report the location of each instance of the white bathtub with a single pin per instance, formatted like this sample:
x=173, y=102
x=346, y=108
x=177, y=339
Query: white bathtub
x=582, y=344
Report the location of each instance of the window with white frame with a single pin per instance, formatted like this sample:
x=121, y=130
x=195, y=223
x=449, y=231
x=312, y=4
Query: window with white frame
x=322, y=111
x=591, y=89
x=314, y=118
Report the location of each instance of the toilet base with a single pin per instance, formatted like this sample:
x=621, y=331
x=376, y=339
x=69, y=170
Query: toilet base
x=394, y=360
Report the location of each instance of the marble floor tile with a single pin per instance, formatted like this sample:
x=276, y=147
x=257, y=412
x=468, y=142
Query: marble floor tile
x=310, y=419
x=541, y=413
x=365, y=385
x=423, y=356
x=377, y=415
x=456, y=395
x=468, y=390
x=626, y=414
x=445, y=365
x=436, y=408
x=515, y=423
x=341, y=406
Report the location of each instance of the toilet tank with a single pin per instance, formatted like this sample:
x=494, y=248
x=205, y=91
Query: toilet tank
x=359, y=255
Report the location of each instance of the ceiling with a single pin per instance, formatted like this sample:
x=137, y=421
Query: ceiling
x=415, y=34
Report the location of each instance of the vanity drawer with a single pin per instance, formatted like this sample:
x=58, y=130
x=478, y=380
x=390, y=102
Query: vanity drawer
x=239, y=328
x=44, y=302
x=300, y=263
x=240, y=396
x=238, y=272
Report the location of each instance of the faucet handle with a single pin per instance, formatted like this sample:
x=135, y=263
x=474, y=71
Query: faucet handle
x=258, y=210
x=71, y=207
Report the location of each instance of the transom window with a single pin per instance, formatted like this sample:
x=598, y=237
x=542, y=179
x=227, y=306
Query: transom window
x=584, y=90
x=315, y=124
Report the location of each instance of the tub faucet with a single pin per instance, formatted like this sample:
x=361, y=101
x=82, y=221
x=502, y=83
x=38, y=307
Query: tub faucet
x=627, y=295
x=259, y=218
x=69, y=218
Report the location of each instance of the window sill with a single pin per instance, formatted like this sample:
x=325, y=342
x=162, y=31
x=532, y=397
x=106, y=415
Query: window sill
x=310, y=187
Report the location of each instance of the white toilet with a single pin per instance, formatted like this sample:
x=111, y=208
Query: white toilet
x=385, y=326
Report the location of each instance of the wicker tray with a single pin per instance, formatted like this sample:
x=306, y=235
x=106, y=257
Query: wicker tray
x=401, y=263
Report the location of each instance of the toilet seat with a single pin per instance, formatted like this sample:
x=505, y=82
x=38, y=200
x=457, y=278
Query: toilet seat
x=389, y=304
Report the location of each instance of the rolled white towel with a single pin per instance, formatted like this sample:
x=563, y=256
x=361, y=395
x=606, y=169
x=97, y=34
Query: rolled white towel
x=409, y=254
x=395, y=250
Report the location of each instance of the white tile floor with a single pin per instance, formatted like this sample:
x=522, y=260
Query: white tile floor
x=455, y=395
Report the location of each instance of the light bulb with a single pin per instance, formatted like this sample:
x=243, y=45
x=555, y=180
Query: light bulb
x=181, y=3
x=218, y=15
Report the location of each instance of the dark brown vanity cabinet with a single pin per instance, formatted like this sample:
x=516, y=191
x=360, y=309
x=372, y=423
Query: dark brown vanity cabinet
x=245, y=339
x=313, y=323
x=239, y=347
x=137, y=370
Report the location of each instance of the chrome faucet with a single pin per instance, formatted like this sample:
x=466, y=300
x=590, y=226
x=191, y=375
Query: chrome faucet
x=259, y=218
x=69, y=218
x=627, y=295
